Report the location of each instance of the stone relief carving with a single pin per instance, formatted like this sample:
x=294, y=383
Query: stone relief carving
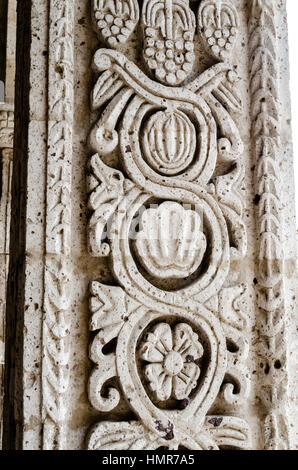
x=264, y=72
x=171, y=353
x=169, y=28
x=185, y=352
x=57, y=300
x=218, y=27
x=115, y=20
x=183, y=243
x=170, y=221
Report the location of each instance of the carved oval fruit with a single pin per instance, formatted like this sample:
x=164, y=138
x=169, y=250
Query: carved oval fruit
x=171, y=243
x=169, y=141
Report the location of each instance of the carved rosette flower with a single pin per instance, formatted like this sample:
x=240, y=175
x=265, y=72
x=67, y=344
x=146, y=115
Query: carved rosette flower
x=172, y=353
x=171, y=244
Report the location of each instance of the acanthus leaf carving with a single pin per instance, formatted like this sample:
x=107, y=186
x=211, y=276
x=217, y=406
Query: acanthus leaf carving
x=229, y=431
x=110, y=308
x=107, y=188
x=225, y=431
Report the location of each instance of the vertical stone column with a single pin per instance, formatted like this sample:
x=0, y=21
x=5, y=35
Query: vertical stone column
x=6, y=154
x=266, y=134
x=6, y=167
x=6, y=157
x=3, y=32
x=57, y=276
x=10, y=51
x=39, y=284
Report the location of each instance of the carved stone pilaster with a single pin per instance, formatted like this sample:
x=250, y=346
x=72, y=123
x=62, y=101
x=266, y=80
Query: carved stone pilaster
x=57, y=280
x=5, y=207
x=152, y=263
x=6, y=154
x=266, y=133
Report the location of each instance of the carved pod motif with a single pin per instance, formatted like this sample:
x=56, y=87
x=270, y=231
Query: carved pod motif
x=115, y=20
x=171, y=244
x=169, y=27
x=169, y=141
x=218, y=27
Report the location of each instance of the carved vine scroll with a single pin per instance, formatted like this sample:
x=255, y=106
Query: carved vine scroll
x=171, y=329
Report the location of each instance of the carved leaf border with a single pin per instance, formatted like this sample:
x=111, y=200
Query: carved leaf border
x=57, y=298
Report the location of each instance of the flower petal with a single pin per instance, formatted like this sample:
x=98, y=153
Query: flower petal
x=158, y=343
x=165, y=390
x=150, y=353
x=159, y=381
x=163, y=333
x=185, y=381
x=154, y=374
x=186, y=342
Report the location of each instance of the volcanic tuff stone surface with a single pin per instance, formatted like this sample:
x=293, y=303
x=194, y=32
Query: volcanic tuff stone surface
x=153, y=274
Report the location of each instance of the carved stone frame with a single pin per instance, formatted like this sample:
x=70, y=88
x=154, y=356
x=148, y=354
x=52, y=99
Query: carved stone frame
x=35, y=311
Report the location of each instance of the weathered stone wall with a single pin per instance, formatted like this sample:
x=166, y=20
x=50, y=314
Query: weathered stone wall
x=10, y=51
x=152, y=281
x=7, y=61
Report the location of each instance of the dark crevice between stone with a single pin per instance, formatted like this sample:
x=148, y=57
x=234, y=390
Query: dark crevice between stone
x=13, y=388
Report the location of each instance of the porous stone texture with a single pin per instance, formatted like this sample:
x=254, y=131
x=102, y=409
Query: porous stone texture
x=152, y=293
x=6, y=158
x=8, y=24
x=6, y=167
x=10, y=51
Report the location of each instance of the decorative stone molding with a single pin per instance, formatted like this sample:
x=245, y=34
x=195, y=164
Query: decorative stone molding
x=152, y=275
x=264, y=70
x=57, y=300
x=6, y=157
x=171, y=354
